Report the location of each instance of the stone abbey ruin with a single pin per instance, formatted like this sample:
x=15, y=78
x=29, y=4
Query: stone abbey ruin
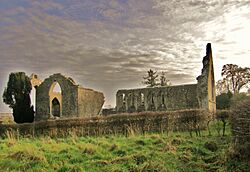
x=71, y=101
x=75, y=101
x=194, y=96
x=162, y=109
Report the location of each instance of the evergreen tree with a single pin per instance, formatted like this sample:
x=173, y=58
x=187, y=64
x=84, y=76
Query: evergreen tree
x=17, y=96
x=163, y=80
x=151, y=79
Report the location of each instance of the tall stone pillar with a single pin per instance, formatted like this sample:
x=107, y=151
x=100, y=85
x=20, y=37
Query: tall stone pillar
x=206, y=90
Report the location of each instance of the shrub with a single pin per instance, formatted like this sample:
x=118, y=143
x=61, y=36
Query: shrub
x=237, y=98
x=126, y=124
x=212, y=146
x=223, y=100
x=240, y=120
x=223, y=116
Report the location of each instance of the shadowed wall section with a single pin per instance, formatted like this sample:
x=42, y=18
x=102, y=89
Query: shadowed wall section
x=90, y=102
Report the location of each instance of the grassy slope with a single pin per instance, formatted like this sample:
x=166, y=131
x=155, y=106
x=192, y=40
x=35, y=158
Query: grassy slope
x=175, y=152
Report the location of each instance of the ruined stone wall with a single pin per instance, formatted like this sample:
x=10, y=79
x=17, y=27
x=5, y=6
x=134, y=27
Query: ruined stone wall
x=90, y=102
x=35, y=81
x=201, y=95
x=69, y=95
x=206, y=83
x=157, y=99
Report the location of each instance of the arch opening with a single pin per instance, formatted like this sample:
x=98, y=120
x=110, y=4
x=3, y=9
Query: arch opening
x=142, y=99
x=55, y=95
x=57, y=88
x=55, y=107
x=152, y=99
x=162, y=99
x=33, y=97
x=123, y=98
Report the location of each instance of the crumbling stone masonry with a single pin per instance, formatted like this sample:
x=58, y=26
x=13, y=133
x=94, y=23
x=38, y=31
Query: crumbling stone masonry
x=193, y=96
x=70, y=100
x=206, y=90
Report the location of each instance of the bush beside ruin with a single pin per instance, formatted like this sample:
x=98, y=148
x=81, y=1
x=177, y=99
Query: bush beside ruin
x=240, y=120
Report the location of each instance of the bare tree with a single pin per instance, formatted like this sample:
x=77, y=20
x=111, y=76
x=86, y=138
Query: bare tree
x=235, y=77
x=223, y=86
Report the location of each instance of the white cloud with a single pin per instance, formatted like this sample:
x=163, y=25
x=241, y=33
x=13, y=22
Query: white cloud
x=108, y=45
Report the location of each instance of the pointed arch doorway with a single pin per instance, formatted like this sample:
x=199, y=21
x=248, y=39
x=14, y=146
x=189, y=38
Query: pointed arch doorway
x=55, y=95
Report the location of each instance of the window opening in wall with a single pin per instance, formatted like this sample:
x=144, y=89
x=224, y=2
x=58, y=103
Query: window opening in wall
x=33, y=97
x=123, y=97
x=57, y=88
x=55, y=95
x=152, y=99
x=142, y=98
x=133, y=99
x=162, y=99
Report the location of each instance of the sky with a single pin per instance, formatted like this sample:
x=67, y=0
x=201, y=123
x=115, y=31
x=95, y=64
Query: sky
x=109, y=45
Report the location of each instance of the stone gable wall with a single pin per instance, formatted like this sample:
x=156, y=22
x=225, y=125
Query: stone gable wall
x=74, y=100
x=69, y=93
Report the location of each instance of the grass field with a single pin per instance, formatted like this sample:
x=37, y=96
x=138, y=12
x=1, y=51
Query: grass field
x=136, y=153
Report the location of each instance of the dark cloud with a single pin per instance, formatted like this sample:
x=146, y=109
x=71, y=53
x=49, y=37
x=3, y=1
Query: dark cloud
x=109, y=44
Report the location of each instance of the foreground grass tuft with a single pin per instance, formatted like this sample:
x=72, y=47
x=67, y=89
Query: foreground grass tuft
x=138, y=153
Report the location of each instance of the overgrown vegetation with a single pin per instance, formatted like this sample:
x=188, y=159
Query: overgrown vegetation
x=228, y=89
x=241, y=129
x=133, y=152
x=222, y=116
x=192, y=120
x=175, y=151
x=223, y=101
